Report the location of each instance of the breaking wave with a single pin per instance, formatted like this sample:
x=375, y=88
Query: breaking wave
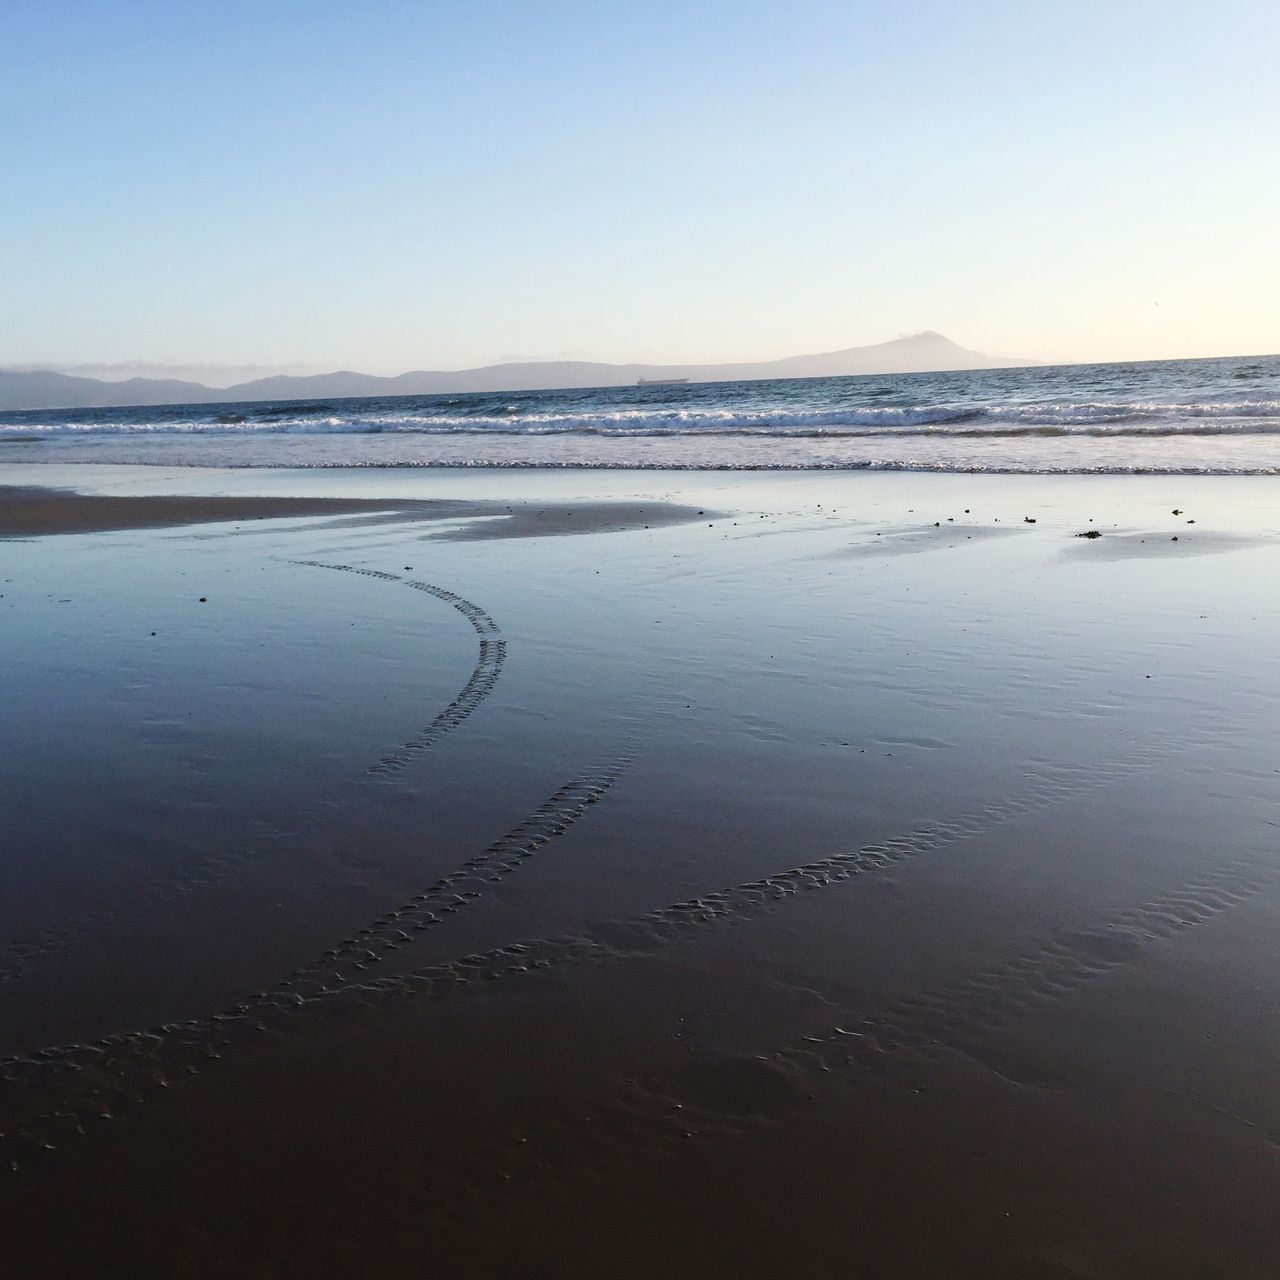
x=1174, y=417
x=1098, y=418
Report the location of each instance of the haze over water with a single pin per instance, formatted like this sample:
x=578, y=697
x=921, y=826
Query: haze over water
x=1219, y=416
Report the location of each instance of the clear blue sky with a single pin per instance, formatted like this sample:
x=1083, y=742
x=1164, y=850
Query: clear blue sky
x=393, y=185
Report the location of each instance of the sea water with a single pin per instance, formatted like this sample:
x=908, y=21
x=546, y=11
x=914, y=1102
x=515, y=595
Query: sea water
x=1219, y=416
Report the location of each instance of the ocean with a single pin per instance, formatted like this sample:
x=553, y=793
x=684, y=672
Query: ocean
x=1213, y=417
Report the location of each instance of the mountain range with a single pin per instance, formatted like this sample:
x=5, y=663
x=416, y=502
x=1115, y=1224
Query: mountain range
x=919, y=353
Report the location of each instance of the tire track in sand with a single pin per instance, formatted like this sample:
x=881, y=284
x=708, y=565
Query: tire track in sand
x=962, y=1016
x=730, y=1096
x=19, y=956
x=57, y=1094
x=655, y=930
x=484, y=676
x=341, y=965
x=181, y=1047
x=125, y=1068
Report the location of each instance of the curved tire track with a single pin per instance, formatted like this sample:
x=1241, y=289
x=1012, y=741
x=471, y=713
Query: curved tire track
x=121, y=1062
x=340, y=976
x=652, y=931
x=956, y=1018
x=61, y=1092
x=342, y=965
x=17, y=957
x=962, y=1016
x=493, y=653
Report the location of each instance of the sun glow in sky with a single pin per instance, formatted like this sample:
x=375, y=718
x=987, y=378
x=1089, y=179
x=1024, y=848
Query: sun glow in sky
x=387, y=186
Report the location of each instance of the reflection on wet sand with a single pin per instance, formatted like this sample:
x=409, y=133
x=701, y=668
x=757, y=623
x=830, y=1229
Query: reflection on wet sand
x=659, y=899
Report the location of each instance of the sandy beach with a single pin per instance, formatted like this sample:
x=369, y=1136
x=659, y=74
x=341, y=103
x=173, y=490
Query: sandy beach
x=638, y=873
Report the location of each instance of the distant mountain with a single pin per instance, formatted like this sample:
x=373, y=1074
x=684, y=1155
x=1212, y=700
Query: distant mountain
x=920, y=353
x=62, y=391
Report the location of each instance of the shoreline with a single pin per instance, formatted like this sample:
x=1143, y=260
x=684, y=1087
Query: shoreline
x=467, y=504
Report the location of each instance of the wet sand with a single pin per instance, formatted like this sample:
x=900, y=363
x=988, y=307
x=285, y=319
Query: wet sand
x=36, y=511
x=736, y=895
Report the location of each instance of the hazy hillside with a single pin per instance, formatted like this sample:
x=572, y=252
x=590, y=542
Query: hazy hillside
x=922, y=352
x=62, y=391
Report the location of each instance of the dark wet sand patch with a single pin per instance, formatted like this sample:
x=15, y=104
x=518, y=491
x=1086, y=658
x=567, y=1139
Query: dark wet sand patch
x=26, y=511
